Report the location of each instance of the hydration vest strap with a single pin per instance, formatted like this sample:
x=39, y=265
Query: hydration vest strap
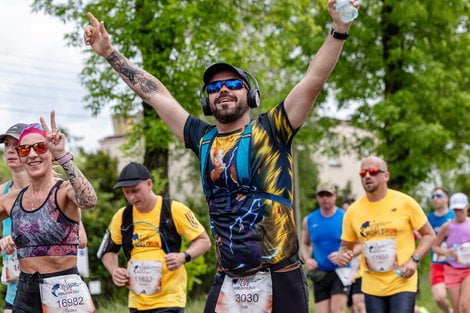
x=274, y=198
x=204, y=155
x=168, y=233
x=242, y=160
x=7, y=187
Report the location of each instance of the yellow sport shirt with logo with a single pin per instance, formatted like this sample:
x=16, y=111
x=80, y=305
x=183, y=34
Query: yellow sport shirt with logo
x=147, y=245
x=393, y=217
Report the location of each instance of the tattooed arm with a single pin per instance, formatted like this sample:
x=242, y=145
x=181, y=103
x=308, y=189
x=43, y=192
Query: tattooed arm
x=81, y=192
x=149, y=88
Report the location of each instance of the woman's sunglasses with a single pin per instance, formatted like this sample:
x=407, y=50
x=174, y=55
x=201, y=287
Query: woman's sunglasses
x=372, y=172
x=232, y=84
x=39, y=148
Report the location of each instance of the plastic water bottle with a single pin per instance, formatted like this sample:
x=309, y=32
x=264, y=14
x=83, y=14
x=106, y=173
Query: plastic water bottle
x=347, y=12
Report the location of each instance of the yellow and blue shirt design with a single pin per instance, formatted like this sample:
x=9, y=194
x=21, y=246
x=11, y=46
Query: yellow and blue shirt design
x=250, y=228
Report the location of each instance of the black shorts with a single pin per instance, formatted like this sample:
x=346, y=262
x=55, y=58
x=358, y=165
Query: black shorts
x=290, y=292
x=354, y=289
x=28, y=296
x=328, y=286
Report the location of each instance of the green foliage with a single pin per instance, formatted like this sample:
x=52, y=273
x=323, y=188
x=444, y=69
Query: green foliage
x=407, y=69
x=4, y=170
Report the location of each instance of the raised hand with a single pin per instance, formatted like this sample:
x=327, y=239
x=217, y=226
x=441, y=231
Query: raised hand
x=55, y=140
x=97, y=37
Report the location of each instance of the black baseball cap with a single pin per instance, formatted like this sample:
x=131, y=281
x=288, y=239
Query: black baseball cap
x=14, y=131
x=217, y=67
x=132, y=174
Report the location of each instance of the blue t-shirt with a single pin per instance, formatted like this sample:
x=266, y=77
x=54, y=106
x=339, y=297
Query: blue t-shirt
x=325, y=236
x=11, y=287
x=436, y=223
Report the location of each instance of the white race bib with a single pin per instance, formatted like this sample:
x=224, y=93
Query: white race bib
x=145, y=276
x=345, y=274
x=463, y=253
x=11, y=269
x=380, y=255
x=65, y=294
x=251, y=294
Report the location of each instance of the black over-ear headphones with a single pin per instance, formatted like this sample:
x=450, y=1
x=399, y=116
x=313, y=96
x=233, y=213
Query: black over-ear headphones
x=254, y=99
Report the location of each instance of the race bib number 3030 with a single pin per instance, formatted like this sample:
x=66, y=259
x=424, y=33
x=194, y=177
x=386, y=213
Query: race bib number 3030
x=251, y=294
x=65, y=294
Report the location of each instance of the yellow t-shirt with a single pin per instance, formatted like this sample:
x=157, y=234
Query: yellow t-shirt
x=148, y=246
x=393, y=217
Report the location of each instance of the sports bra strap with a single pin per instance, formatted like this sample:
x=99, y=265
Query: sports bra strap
x=7, y=187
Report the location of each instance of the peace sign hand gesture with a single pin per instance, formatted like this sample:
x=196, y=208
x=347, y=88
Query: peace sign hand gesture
x=55, y=140
x=97, y=37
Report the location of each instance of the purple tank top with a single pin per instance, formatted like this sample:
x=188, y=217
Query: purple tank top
x=459, y=233
x=46, y=231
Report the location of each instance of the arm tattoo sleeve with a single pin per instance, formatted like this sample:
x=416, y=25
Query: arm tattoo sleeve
x=144, y=84
x=84, y=192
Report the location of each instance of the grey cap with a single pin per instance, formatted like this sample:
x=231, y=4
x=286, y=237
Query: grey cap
x=132, y=174
x=14, y=131
x=217, y=67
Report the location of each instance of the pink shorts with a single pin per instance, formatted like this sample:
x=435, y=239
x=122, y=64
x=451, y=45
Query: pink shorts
x=437, y=274
x=454, y=276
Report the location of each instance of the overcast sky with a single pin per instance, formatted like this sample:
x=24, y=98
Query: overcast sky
x=39, y=73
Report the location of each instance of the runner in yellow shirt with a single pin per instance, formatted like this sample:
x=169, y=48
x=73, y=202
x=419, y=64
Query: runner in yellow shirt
x=155, y=273
x=383, y=220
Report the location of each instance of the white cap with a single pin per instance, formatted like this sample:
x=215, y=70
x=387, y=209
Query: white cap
x=458, y=201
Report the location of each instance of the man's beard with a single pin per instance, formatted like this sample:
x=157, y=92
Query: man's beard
x=370, y=187
x=231, y=115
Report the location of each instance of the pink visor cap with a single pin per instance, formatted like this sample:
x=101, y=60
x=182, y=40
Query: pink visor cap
x=34, y=128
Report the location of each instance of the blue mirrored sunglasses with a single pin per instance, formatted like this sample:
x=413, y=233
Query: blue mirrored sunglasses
x=438, y=195
x=232, y=84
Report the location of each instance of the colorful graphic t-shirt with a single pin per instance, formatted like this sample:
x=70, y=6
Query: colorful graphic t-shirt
x=436, y=223
x=325, y=235
x=251, y=230
x=392, y=218
x=147, y=245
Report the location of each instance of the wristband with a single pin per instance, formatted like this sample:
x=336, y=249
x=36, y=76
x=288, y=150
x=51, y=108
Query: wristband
x=187, y=257
x=65, y=158
x=340, y=36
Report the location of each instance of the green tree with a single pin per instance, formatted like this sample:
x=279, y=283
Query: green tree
x=407, y=70
x=4, y=170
